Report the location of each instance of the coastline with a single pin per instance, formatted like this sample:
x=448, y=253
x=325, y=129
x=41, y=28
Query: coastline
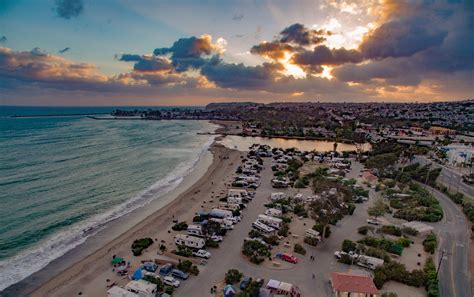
x=114, y=234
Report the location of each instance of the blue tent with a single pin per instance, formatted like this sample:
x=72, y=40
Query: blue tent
x=229, y=291
x=137, y=274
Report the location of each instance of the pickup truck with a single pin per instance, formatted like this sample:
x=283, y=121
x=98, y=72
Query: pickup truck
x=202, y=254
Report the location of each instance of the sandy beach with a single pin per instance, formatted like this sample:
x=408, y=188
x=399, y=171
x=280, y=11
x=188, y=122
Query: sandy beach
x=88, y=274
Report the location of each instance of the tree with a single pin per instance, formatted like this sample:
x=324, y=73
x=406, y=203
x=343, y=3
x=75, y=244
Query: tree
x=233, y=276
x=378, y=209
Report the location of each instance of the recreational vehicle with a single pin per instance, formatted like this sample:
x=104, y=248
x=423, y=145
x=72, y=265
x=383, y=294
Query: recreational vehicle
x=195, y=230
x=189, y=241
x=270, y=221
x=273, y=212
x=262, y=227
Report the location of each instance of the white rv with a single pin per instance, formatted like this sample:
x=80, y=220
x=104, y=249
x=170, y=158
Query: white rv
x=237, y=193
x=220, y=213
x=277, y=196
x=225, y=223
x=262, y=227
x=312, y=233
x=234, y=200
x=141, y=288
x=229, y=206
x=195, y=230
x=117, y=291
x=369, y=262
x=273, y=212
x=189, y=241
x=270, y=221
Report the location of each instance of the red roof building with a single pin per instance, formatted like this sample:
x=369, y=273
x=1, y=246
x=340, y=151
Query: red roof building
x=369, y=177
x=353, y=285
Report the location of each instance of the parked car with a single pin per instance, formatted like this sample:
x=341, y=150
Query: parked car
x=217, y=238
x=166, y=269
x=171, y=281
x=373, y=221
x=179, y=274
x=202, y=254
x=287, y=257
x=245, y=282
x=150, y=266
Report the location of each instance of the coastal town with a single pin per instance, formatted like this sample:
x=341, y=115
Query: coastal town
x=282, y=221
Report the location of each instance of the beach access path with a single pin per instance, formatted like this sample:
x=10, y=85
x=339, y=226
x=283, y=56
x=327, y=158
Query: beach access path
x=228, y=255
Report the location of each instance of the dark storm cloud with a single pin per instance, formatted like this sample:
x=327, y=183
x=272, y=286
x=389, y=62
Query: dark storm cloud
x=322, y=55
x=146, y=63
x=68, y=9
x=66, y=49
x=275, y=49
x=239, y=76
x=3, y=39
x=186, y=53
x=299, y=34
x=417, y=40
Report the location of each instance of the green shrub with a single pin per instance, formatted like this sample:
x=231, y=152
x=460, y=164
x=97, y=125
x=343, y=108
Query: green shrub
x=431, y=284
x=212, y=244
x=284, y=230
x=410, y=231
x=169, y=290
x=273, y=240
x=298, y=248
x=255, y=251
x=154, y=280
x=233, y=276
x=430, y=243
x=194, y=270
x=348, y=245
x=345, y=259
x=351, y=208
x=140, y=244
x=180, y=226
x=183, y=251
x=363, y=230
x=185, y=265
x=404, y=242
x=398, y=272
x=390, y=229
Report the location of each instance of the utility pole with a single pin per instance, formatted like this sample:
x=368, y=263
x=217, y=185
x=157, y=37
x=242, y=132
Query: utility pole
x=443, y=252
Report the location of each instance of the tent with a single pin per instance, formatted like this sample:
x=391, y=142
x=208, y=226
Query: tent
x=137, y=274
x=117, y=260
x=229, y=291
x=273, y=284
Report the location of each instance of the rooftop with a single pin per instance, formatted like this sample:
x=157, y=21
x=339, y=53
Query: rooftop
x=354, y=283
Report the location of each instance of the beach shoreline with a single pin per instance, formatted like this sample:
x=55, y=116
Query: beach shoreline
x=121, y=232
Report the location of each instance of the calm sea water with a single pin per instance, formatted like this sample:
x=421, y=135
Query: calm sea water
x=62, y=177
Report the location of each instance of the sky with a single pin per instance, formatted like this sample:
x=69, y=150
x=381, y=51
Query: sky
x=144, y=52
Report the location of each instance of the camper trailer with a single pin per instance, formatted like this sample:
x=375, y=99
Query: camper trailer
x=237, y=193
x=141, y=288
x=262, y=227
x=220, y=213
x=277, y=196
x=234, y=200
x=270, y=221
x=189, y=241
x=229, y=206
x=195, y=230
x=273, y=212
x=369, y=262
x=312, y=233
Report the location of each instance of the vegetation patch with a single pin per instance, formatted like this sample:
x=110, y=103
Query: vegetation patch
x=140, y=244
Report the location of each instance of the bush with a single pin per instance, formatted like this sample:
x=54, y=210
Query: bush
x=183, y=251
x=185, y=265
x=284, y=230
x=285, y=220
x=169, y=290
x=255, y=251
x=272, y=240
x=431, y=284
x=363, y=230
x=351, y=208
x=345, y=259
x=212, y=244
x=385, y=244
x=403, y=241
x=233, y=276
x=392, y=230
x=299, y=210
x=430, y=243
x=311, y=240
x=180, y=226
x=154, y=280
x=348, y=245
x=140, y=244
x=298, y=248
x=194, y=270
x=398, y=272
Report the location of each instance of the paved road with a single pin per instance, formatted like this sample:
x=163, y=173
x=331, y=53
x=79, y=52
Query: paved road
x=454, y=240
x=449, y=177
x=228, y=255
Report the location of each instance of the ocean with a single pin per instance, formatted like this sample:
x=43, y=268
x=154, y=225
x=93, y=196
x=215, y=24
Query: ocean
x=63, y=178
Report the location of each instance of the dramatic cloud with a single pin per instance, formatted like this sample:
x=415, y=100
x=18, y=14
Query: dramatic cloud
x=322, y=55
x=147, y=63
x=3, y=39
x=68, y=9
x=274, y=50
x=187, y=53
x=66, y=49
x=299, y=34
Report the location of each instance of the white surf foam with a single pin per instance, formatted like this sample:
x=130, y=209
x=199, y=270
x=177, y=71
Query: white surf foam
x=22, y=265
